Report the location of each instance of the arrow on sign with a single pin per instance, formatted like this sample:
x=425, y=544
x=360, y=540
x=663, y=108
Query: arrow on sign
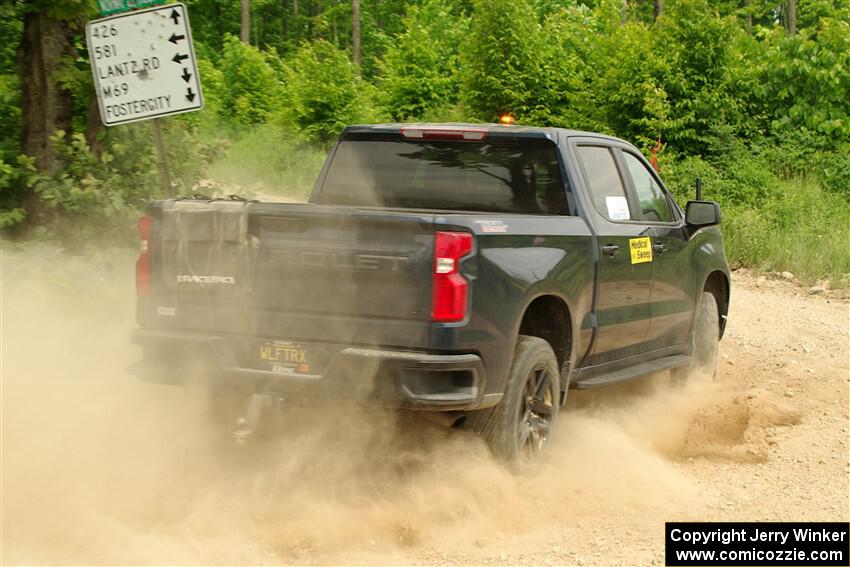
x=175, y=15
x=175, y=38
x=179, y=58
x=186, y=74
x=190, y=95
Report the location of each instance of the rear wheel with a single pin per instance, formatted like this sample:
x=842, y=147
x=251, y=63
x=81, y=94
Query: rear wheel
x=705, y=341
x=520, y=428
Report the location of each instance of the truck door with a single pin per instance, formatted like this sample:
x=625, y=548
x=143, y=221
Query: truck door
x=625, y=266
x=671, y=302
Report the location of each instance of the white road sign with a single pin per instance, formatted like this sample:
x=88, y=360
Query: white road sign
x=143, y=64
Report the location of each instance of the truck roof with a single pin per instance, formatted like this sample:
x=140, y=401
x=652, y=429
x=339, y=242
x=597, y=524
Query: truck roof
x=515, y=130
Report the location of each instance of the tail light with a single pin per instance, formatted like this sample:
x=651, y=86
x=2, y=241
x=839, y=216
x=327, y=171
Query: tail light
x=449, y=288
x=143, y=264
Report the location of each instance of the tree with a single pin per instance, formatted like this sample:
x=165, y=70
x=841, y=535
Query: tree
x=324, y=92
x=501, y=59
x=245, y=28
x=791, y=25
x=46, y=104
x=420, y=74
x=355, y=34
x=251, y=87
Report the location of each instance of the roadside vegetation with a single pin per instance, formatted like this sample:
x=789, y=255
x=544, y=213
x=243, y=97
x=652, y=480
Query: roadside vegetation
x=752, y=96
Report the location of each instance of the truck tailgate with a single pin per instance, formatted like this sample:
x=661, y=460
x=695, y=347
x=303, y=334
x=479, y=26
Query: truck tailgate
x=303, y=272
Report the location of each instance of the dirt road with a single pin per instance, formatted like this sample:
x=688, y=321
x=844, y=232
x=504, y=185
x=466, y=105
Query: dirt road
x=98, y=468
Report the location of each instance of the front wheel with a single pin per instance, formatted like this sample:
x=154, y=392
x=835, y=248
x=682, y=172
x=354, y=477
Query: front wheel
x=705, y=341
x=520, y=428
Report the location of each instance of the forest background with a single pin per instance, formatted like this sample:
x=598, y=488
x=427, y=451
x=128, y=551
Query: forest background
x=752, y=96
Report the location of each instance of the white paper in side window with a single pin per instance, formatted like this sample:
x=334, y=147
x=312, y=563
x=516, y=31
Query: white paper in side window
x=618, y=208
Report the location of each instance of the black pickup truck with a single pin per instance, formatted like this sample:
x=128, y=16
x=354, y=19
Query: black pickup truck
x=474, y=270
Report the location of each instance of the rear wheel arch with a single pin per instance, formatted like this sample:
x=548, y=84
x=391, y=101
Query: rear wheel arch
x=548, y=316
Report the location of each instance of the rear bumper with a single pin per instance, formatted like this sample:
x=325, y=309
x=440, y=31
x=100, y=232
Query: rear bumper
x=405, y=379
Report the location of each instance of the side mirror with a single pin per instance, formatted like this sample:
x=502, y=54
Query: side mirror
x=702, y=213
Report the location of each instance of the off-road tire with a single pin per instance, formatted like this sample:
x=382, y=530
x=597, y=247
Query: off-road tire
x=704, y=341
x=519, y=429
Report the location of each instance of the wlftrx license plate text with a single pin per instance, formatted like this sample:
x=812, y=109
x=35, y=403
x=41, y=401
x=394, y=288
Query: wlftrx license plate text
x=284, y=357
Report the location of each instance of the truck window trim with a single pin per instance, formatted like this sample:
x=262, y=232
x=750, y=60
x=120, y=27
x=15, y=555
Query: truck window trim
x=585, y=174
x=671, y=206
x=615, y=147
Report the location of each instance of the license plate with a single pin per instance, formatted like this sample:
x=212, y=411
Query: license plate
x=284, y=357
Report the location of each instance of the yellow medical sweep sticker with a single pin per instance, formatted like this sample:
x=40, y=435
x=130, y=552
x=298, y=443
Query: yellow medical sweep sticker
x=641, y=250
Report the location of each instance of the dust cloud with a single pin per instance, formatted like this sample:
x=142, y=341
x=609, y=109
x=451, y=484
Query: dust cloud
x=98, y=467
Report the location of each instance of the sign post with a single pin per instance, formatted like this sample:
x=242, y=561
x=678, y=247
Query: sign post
x=161, y=158
x=144, y=67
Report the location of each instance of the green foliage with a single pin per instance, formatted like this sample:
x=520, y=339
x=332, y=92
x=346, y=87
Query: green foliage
x=12, y=179
x=268, y=161
x=212, y=22
x=251, y=90
x=638, y=79
x=99, y=195
x=61, y=9
x=762, y=117
x=770, y=223
x=420, y=74
x=324, y=92
x=90, y=196
x=11, y=26
x=748, y=184
x=501, y=64
x=801, y=229
x=805, y=83
x=214, y=88
x=10, y=115
x=696, y=48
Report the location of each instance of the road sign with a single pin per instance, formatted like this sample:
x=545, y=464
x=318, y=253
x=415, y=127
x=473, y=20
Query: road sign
x=107, y=7
x=143, y=64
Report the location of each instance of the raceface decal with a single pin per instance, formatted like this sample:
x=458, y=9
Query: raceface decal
x=226, y=280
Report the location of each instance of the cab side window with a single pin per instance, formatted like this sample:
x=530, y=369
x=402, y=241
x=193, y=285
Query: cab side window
x=603, y=179
x=652, y=201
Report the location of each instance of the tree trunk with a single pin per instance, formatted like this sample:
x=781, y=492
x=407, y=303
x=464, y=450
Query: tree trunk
x=624, y=12
x=658, y=8
x=355, y=26
x=792, y=18
x=297, y=22
x=245, y=30
x=94, y=126
x=317, y=27
x=285, y=21
x=45, y=104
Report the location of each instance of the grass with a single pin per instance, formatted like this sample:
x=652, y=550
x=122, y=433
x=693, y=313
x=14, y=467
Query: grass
x=266, y=160
x=799, y=228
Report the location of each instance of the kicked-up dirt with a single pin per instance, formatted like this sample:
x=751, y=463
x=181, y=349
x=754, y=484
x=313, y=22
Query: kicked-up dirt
x=100, y=468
